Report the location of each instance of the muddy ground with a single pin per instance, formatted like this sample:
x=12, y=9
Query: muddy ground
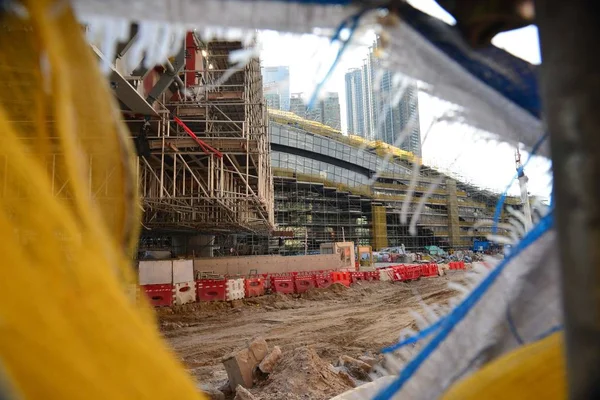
x=355, y=321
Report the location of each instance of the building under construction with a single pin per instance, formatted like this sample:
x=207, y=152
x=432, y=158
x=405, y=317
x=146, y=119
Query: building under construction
x=331, y=187
x=200, y=128
x=219, y=174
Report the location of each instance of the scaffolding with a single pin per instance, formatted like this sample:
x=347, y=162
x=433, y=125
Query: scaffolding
x=206, y=166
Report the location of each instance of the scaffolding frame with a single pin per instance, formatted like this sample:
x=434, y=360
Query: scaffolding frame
x=218, y=177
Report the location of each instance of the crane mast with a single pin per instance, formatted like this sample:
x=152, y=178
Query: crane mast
x=523, y=186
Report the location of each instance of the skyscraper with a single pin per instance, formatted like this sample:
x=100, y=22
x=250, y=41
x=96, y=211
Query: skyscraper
x=380, y=105
x=355, y=112
x=326, y=111
x=273, y=100
x=276, y=81
x=330, y=106
x=297, y=105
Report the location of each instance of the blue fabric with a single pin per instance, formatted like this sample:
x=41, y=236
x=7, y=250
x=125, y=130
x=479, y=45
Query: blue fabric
x=463, y=309
x=510, y=76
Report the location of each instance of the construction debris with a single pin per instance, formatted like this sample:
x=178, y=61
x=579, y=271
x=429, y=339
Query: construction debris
x=240, y=366
x=268, y=364
x=243, y=394
x=259, y=349
x=303, y=375
x=211, y=393
x=369, y=360
x=356, y=368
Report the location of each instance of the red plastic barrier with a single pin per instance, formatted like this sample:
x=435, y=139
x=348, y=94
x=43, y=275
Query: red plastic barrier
x=429, y=270
x=323, y=279
x=266, y=281
x=282, y=284
x=413, y=272
x=341, y=277
x=371, y=275
x=159, y=295
x=357, y=277
x=211, y=289
x=398, y=272
x=254, y=287
x=303, y=283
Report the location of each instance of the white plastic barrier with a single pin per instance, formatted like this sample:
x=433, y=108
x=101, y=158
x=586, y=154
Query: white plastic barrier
x=183, y=271
x=185, y=292
x=155, y=272
x=235, y=289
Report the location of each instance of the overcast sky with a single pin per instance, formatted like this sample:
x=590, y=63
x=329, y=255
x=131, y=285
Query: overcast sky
x=448, y=147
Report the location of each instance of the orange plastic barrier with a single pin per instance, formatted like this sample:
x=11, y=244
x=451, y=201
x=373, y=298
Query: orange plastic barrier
x=456, y=265
x=341, y=277
x=254, y=287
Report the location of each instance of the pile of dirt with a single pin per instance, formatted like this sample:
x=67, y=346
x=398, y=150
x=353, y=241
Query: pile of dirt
x=277, y=301
x=302, y=374
x=329, y=293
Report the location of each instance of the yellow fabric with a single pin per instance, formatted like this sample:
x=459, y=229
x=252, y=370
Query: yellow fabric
x=535, y=371
x=69, y=217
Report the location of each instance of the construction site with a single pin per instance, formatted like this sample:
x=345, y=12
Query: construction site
x=220, y=173
x=171, y=226
x=260, y=217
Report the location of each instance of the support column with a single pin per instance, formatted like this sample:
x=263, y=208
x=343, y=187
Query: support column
x=380, y=238
x=453, y=220
x=570, y=32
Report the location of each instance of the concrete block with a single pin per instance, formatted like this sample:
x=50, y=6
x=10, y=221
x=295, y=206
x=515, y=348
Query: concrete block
x=243, y=394
x=267, y=365
x=259, y=349
x=239, y=367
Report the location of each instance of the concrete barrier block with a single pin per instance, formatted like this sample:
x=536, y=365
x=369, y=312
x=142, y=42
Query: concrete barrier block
x=239, y=367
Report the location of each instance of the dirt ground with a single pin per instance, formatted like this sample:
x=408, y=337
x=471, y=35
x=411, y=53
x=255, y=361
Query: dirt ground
x=355, y=321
